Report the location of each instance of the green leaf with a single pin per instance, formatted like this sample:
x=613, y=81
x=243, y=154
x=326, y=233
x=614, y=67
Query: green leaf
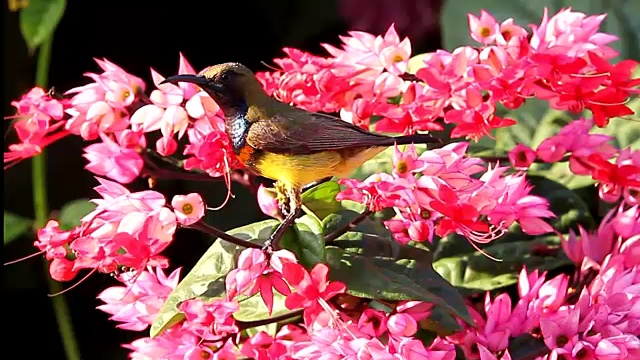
x=562, y=174
x=39, y=20
x=477, y=272
x=306, y=240
x=310, y=236
x=569, y=208
x=339, y=220
x=206, y=279
x=353, y=206
x=526, y=347
x=620, y=19
x=254, y=309
x=535, y=123
x=440, y=322
x=377, y=268
x=15, y=226
x=551, y=122
x=321, y=199
x=73, y=211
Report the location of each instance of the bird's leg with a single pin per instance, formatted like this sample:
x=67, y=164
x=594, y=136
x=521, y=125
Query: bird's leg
x=282, y=197
x=295, y=207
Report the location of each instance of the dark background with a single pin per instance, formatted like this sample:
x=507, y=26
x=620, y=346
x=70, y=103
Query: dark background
x=137, y=35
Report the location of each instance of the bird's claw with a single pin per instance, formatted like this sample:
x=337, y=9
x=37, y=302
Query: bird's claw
x=282, y=198
x=267, y=247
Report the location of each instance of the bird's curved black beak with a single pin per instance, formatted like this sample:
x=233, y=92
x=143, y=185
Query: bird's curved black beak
x=205, y=84
x=190, y=78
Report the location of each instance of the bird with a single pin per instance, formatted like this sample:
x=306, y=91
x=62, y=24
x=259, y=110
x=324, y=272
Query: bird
x=292, y=146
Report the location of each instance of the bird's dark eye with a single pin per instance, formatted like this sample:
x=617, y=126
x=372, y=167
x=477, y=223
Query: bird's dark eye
x=225, y=76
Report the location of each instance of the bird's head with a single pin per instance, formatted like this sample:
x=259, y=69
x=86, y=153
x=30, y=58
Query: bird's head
x=232, y=85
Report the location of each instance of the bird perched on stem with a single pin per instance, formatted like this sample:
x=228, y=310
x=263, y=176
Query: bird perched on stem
x=292, y=146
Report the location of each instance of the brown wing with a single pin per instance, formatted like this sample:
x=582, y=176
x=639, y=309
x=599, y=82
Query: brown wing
x=300, y=132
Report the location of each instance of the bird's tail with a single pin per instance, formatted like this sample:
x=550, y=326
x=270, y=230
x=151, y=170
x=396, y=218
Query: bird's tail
x=415, y=139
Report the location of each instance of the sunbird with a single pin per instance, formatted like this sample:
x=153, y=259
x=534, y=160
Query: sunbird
x=290, y=145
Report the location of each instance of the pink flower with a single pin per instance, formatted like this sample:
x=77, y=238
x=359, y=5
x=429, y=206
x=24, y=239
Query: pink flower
x=310, y=287
x=109, y=159
x=394, y=54
x=584, y=350
x=40, y=107
x=575, y=138
x=597, y=245
x=52, y=240
x=509, y=31
x=572, y=247
x=171, y=108
x=315, y=83
x=359, y=49
x=627, y=223
x=615, y=179
x=263, y=346
x=573, y=34
x=125, y=230
x=255, y=274
x=166, y=145
x=405, y=231
x=514, y=202
x=166, y=112
x=619, y=347
x=359, y=113
x=526, y=314
x=560, y=330
x=402, y=324
x=268, y=203
x=178, y=343
x=417, y=111
x=484, y=29
x=521, y=157
x=102, y=106
x=136, y=305
x=387, y=85
x=39, y=121
x=211, y=321
x=496, y=329
x=406, y=162
x=373, y=322
x=209, y=147
x=130, y=139
x=378, y=191
x=62, y=269
x=188, y=208
x=553, y=292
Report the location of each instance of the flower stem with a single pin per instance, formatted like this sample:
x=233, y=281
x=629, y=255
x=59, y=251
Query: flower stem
x=213, y=231
x=250, y=324
x=350, y=225
x=41, y=211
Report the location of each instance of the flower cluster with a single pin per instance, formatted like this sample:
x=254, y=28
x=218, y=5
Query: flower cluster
x=447, y=198
x=589, y=154
x=597, y=319
x=126, y=231
x=593, y=319
x=566, y=61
